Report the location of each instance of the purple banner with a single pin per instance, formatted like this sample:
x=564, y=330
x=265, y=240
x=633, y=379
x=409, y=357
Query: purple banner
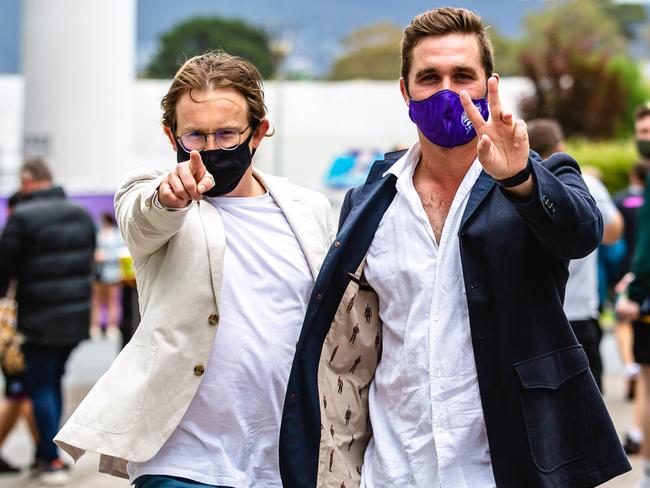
x=95, y=204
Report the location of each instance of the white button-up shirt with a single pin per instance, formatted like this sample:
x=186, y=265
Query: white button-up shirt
x=425, y=406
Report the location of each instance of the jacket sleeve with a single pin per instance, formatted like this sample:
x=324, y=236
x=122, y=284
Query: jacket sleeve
x=561, y=212
x=145, y=224
x=12, y=246
x=639, y=289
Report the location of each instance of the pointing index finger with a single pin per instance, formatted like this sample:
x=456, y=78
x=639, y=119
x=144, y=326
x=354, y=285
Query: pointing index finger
x=196, y=166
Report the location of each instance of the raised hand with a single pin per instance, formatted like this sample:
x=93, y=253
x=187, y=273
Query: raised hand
x=502, y=144
x=186, y=182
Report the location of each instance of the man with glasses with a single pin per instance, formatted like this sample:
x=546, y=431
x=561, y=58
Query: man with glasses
x=226, y=258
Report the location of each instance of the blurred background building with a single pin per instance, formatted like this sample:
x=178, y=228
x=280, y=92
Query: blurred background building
x=81, y=82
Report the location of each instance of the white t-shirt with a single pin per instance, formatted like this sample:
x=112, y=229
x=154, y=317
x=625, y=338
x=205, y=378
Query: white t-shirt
x=581, y=298
x=230, y=433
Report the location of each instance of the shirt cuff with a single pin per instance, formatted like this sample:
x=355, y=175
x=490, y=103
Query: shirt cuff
x=157, y=203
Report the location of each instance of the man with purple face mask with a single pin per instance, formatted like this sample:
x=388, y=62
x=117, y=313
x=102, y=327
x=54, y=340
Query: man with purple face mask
x=465, y=372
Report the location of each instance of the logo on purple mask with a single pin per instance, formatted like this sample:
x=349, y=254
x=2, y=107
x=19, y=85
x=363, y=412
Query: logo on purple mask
x=442, y=119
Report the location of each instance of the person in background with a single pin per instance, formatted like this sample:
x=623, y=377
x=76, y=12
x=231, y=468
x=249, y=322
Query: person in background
x=633, y=304
x=107, y=287
x=48, y=246
x=581, y=302
x=629, y=201
x=16, y=403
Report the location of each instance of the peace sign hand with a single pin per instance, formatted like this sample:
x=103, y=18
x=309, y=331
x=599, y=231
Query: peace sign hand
x=502, y=144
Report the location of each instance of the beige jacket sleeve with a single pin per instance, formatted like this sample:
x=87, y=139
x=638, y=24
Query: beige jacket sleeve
x=146, y=225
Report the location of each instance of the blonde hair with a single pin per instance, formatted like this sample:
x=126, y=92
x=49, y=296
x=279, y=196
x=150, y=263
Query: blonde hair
x=441, y=21
x=216, y=69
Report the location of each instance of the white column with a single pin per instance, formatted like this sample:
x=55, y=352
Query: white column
x=78, y=62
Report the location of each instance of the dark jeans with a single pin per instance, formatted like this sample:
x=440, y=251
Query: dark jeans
x=44, y=367
x=589, y=333
x=156, y=481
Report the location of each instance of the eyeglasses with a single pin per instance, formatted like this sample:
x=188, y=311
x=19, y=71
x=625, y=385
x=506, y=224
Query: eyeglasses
x=227, y=139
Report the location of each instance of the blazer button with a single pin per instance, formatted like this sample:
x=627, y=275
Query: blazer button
x=199, y=369
x=293, y=395
x=213, y=319
x=337, y=244
x=319, y=296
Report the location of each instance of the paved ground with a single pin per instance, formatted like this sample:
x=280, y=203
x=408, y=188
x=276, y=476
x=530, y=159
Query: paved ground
x=92, y=358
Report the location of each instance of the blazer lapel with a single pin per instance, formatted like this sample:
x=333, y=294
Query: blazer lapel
x=216, y=241
x=301, y=220
x=481, y=188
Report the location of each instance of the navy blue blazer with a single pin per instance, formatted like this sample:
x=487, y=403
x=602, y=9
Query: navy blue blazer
x=546, y=421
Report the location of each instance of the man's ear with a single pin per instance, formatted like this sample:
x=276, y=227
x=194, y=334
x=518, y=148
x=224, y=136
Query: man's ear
x=260, y=132
x=404, y=89
x=170, y=135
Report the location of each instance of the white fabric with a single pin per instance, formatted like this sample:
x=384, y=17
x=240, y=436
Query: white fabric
x=581, y=298
x=230, y=433
x=425, y=408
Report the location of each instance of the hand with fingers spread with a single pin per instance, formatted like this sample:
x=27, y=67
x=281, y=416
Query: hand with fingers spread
x=502, y=143
x=186, y=182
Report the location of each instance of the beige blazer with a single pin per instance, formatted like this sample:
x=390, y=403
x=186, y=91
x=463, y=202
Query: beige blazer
x=178, y=254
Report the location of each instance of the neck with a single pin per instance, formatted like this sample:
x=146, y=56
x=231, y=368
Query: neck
x=248, y=187
x=445, y=165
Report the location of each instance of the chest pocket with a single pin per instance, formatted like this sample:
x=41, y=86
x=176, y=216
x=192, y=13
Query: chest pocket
x=347, y=366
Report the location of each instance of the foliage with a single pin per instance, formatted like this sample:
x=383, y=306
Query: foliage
x=371, y=52
x=506, y=54
x=625, y=15
x=614, y=158
x=575, y=54
x=200, y=34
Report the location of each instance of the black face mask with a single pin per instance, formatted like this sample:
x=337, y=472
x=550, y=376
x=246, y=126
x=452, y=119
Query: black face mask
x=227, y=167
x=644, y=148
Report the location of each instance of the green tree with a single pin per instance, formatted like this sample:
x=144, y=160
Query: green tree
x=506, y=54
x=200, y=34
x=576, y=55
x=625, y=15
x=371, y=52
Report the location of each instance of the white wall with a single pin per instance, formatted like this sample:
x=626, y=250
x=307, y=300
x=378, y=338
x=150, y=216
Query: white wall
x=11, y=131
x=78, y=65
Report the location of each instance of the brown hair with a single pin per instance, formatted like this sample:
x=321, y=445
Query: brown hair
x=642, y=111
x=216, y=69
x=641, y=169
x=544, y=136
x=441, y=21
x=37, y=170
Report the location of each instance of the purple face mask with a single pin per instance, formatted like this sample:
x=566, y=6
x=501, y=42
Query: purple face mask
x=442, y=119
